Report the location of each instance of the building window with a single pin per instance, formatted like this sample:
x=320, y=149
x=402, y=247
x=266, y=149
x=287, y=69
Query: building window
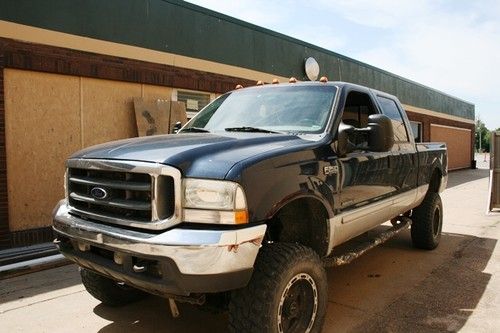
x=195, y=101
x=416, y=128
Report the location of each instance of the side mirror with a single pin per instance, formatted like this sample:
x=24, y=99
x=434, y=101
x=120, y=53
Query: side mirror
x=344, y=143
x=377, y=136
x=177, y=127
x=380, y=133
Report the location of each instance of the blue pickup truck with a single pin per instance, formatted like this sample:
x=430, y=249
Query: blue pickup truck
x=244, y=205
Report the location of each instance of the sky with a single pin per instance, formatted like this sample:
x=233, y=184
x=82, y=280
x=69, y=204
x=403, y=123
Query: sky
x=450, y=45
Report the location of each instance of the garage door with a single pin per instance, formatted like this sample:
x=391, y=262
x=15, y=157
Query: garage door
x=458, y=141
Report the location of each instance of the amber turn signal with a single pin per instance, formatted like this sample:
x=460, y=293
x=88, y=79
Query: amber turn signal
x=241, y=216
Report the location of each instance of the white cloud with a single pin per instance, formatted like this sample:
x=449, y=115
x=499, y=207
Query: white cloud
x=377, y=14
x=450, y=45
x=280, y=16
x=455, y=51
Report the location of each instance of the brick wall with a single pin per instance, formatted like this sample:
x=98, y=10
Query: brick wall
x=427, y=120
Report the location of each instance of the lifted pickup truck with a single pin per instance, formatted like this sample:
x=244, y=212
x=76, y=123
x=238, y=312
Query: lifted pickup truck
x=245, y=204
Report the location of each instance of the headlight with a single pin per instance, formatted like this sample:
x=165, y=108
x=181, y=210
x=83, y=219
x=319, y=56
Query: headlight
x=214, y=201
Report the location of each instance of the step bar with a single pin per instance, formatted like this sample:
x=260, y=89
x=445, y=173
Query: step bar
x=358, y=251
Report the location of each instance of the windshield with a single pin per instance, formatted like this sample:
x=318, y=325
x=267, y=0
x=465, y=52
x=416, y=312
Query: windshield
x=288, y=109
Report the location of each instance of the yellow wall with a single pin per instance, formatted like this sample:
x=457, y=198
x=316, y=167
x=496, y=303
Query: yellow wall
x=48, y=117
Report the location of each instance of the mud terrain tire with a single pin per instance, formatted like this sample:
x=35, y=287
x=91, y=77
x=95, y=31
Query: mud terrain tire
x=427, y=222
x=287, y=292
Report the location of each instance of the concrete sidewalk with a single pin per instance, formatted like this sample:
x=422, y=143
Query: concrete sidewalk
x=393, y=288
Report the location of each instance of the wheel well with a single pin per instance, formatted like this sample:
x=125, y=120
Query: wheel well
x=302, y=221
x=435, y=182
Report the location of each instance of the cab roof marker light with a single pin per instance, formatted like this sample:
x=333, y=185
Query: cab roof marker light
x=292, y=80
x=323, y=79
x=260, y=83
x=276, y=81
x=238, y=86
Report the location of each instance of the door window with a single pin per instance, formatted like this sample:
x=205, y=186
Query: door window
x=358, y=106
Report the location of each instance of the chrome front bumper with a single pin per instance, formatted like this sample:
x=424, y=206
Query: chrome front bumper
x=194, y=252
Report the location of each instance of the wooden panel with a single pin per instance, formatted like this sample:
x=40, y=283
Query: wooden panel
x=178, y=113
x=152, y=116
x=42, y=130
x=494, y=200
x=108, y=110
x=158, y=116
x=156, y=92
x=458, y=142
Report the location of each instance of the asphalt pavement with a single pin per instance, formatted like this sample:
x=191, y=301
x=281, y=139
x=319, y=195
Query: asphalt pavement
x=392, y=288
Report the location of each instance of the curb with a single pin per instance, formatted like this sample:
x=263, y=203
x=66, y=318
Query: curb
x=33, y=265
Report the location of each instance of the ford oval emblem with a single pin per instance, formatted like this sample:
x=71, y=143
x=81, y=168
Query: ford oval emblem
x=99, y=193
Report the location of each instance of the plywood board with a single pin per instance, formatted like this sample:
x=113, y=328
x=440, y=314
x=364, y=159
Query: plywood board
x=158, y=116
x=494, y=187
x=458, y=141
x=108, y=110
x=156, y=92
x=178, y=113
x=42, y=121
x=152, y=116
x=46, y=124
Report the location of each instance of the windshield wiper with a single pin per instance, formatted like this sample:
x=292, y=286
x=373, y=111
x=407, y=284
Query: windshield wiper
x=249, y=129
x=195, y=129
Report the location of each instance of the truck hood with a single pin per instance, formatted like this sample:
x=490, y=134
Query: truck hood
x=203, y=155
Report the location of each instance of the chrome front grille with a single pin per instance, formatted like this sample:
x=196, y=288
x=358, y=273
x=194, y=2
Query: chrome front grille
x=137, y=194
x=124, y=194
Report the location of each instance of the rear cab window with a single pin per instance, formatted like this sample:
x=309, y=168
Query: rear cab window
x=391, y=110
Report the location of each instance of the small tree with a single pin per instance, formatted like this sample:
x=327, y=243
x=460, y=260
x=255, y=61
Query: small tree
x=482, y=139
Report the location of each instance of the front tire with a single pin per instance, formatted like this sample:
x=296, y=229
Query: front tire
x=108, y=291
x=287, y=292
x=427, y=222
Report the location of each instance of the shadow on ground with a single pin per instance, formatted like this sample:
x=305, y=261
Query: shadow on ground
x=153, y=315
x=392, y=288
x=460, y=177
x=442, y=301
x=33, y=284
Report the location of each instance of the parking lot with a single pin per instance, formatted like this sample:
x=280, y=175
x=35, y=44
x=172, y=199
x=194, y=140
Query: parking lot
x=392, y=288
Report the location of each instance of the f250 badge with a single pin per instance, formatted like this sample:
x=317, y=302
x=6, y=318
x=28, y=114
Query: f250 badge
x=330, y=170
x=99, y=193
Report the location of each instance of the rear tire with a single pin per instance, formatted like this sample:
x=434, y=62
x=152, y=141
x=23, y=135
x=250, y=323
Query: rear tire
x=108, y=291
x=287, y=292
x=427, y=222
